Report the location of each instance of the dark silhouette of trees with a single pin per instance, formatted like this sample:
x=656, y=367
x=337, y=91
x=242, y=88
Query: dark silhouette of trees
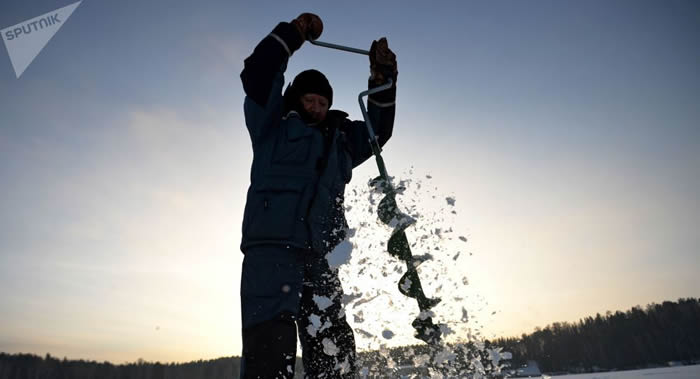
x=637, y=338
x=28, y=366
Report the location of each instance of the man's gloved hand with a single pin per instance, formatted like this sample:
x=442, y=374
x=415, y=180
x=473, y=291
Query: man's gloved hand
x=309, y=26
x=382, y=62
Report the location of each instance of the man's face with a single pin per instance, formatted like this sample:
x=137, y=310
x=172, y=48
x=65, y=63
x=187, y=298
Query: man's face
x=315, y=105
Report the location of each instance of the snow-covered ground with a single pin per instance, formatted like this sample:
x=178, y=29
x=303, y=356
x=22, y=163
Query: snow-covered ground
x=680, y=372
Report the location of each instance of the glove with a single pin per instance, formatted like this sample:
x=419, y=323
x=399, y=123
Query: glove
x=309, y=26
x=382, y=62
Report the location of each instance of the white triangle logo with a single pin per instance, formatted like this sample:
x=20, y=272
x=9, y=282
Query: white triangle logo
x=25, y=40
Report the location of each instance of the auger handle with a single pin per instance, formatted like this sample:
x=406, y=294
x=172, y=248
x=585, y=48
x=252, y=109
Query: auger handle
x=339, y=47
x=372, y=137
x=376, y=149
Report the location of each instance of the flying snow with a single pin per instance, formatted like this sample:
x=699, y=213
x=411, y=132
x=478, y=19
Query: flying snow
x=379, y=314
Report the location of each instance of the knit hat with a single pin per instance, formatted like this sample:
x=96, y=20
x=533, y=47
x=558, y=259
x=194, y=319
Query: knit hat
x=309, y=81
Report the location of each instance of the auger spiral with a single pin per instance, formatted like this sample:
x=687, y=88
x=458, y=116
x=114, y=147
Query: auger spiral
x=398, y=245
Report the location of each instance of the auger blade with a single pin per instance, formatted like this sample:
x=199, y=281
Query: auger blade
x=426, y=331
x=410, y=285
x=381, y=184
x=388, y=210
x=398, y=246
x=428, y=302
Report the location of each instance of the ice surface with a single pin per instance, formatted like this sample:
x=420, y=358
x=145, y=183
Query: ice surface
x=322, y=302
x=682, y=372
x=343, y=367
x=406, y=284
x=326, y=325
x=315, y=325
x=443, y=356
x=465, y=315
x=329, y=347
x=364, y=372
x=425, y=315
x=340, y=254
x=421, y=360
x=388, y=334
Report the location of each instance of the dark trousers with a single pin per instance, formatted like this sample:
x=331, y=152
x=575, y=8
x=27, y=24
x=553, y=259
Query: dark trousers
x=290, y=291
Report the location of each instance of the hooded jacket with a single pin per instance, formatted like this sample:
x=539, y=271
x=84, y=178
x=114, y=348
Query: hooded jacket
x=296, y=194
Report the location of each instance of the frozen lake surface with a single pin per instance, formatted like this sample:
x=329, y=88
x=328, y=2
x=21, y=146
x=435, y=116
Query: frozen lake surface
x=680, y=372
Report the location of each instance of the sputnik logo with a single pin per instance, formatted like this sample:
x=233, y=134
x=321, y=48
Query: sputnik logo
x=25, y=40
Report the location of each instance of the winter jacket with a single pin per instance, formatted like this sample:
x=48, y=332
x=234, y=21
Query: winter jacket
x=295, y=195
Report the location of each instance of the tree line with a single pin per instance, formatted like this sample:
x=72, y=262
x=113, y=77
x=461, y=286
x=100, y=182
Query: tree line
x=29, y=366
x=637, y=338
x=383, y=363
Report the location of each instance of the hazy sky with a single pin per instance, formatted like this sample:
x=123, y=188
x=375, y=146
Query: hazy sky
x=569, y=133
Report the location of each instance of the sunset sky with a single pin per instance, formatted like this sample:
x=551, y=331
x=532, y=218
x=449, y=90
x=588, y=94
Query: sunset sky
x=568, y=132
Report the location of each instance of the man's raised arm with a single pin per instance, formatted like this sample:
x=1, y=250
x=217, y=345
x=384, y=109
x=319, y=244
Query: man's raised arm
x=263, y=71
x=381, y=106
x=269, y=59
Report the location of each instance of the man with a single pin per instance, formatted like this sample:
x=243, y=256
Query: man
x=303, y=156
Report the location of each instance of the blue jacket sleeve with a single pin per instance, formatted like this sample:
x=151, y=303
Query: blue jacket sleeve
x=381, y=108
x=263, y=77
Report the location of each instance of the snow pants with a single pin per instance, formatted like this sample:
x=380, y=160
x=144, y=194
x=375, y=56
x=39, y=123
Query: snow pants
x=290, y=291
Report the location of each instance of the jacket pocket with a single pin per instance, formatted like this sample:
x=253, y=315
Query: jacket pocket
x=293, y=146
x=274, y=211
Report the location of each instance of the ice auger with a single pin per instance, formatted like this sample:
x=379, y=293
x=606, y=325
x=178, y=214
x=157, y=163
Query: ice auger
x=389, y=213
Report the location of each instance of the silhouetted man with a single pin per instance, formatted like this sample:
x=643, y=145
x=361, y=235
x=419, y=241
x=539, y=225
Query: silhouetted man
x=303, y=156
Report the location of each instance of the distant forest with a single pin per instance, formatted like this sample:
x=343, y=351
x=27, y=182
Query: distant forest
x=28, y=366
x=637, y=338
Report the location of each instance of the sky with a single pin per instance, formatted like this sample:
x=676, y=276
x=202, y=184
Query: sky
x=568, y=132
